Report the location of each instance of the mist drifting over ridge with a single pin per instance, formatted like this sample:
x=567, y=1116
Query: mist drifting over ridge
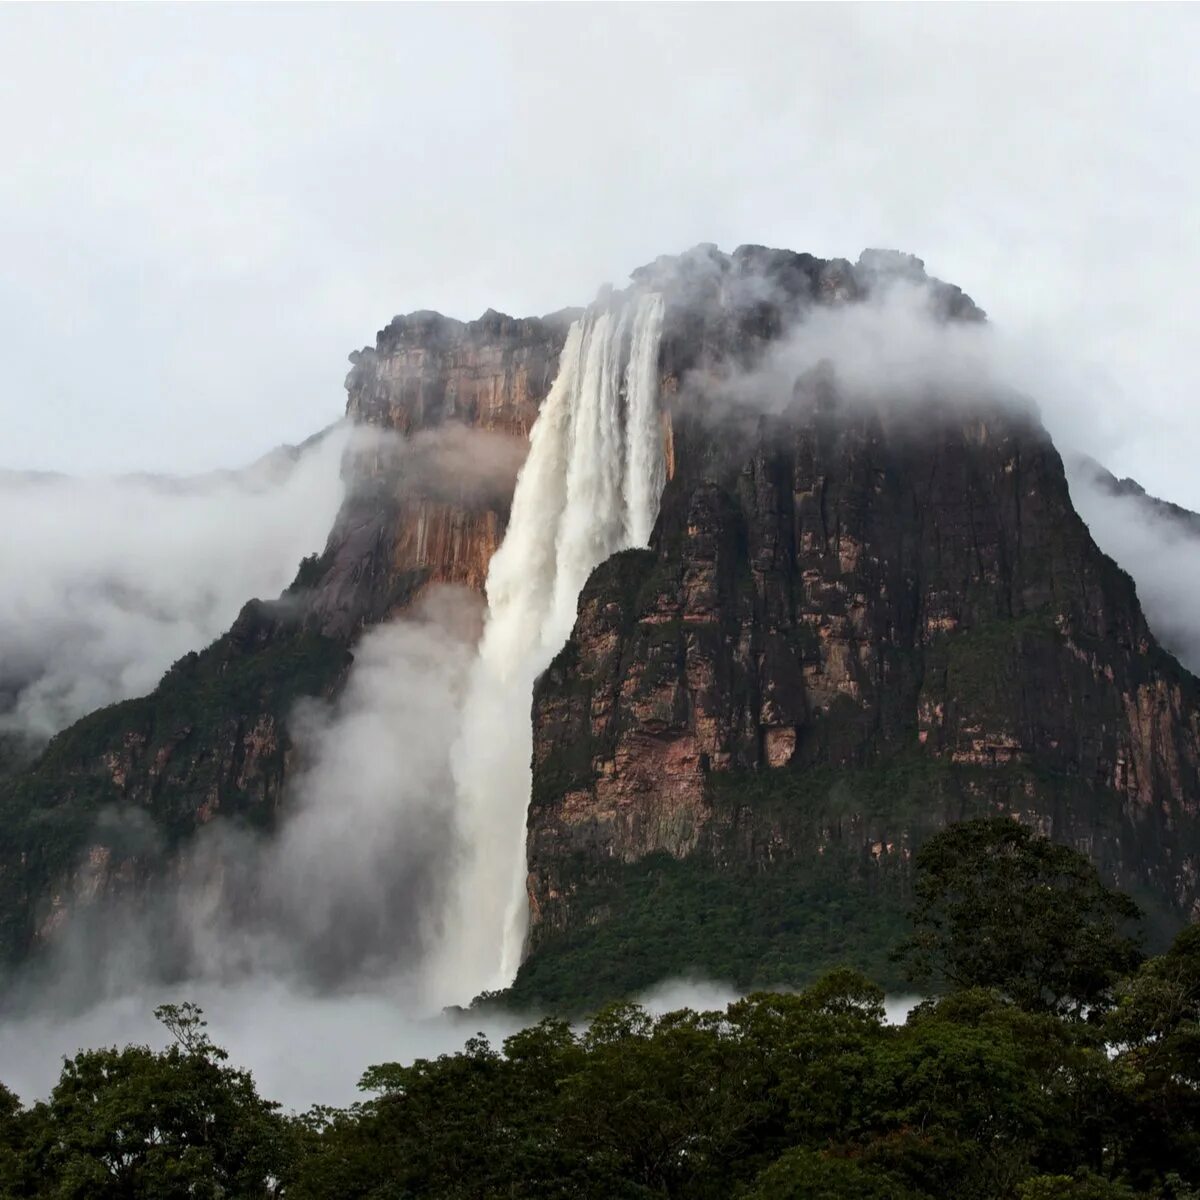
x=104, y=582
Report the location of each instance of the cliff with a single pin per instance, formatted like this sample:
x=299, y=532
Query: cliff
x=856, y=623
x=433, y=509
x=858, y=619
x=105, y=809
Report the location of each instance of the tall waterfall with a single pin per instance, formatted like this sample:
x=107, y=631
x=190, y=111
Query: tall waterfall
x=590, y=487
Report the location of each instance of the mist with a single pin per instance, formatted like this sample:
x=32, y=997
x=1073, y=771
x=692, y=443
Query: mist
x=355, y=880
x=105, y=582
x=1158, y=545
x=303, y=1048
x=894, y=351
x=346, y=894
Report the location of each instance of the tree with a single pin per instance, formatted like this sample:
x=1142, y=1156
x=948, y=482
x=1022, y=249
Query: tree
x=1155, y=1029
x=160, y=1125
x=465, y=1126
x=807, y=1057
x=1081, y=1186
x=802, y=1174
x=14, y=1127
x=1159, y=1007
x=999, y=907
x=972, y=1089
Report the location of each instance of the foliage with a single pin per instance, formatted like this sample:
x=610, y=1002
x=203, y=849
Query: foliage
x=757, y=915
x=1155, y=1030
x=808, y=1096
x=996, y=1092
x=999, y=907
x=748, y=922
x=803, y=1174
x=664, y=917
x=1080, y=1186
x=140, y=1123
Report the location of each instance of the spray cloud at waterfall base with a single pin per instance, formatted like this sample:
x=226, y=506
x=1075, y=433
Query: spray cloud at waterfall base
x=346, y=894
x=403, y=827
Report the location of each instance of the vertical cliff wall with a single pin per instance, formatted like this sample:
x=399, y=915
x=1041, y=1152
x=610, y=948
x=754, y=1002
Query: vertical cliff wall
x=433, y=510
x=856, y=622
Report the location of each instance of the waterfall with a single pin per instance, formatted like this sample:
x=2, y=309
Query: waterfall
x=589, y=487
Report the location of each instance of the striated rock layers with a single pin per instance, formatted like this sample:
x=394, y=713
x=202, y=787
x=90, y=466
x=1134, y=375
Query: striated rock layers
x=858, y=620
x=431, y=510
x=112, y=798
x=860, y=617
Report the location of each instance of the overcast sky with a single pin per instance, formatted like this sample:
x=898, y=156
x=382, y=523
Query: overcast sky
x=204, y=208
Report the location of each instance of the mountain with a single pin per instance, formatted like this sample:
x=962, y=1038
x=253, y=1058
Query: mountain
x=115, y=798
x=864, y=612
x=1156, y=541
x=105, y=581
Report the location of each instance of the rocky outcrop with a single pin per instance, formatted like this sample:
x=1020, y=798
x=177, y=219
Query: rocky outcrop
x=430, y=509
x=445, y=408
x=1187, y=522
x=857, y=621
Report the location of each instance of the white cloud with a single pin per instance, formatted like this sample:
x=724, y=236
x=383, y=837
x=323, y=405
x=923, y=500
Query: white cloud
x=105, y=582
x=207, y=208
x=1160, y=552
x=262, y=1022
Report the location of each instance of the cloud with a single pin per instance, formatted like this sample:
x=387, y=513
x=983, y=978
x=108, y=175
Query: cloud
x=303, y=1047
x=894, y=350
x=1158, y=545
x=352, y=885
x=451, y=462
x=104, y=582
x=347, y=891
x=261, y=1022
x=890, y=347
x=350, y=170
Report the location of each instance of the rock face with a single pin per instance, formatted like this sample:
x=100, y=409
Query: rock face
x=432, y=510
x=857, y=620
x=114, y=796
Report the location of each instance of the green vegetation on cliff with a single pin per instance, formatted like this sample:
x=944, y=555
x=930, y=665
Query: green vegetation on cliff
x=162, y=760
x=799, y=871
x=664, y=918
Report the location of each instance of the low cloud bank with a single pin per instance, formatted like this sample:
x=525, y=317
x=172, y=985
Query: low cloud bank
x=1158, y=545
x=105, y=582
x=303, y=1048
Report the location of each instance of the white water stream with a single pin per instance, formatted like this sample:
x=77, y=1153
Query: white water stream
x=589, y=487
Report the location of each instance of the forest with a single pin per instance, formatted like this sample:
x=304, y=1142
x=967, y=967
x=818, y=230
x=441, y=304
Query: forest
x=1051, y=1058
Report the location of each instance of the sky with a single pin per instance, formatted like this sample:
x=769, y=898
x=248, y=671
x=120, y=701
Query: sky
x=205, y=208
